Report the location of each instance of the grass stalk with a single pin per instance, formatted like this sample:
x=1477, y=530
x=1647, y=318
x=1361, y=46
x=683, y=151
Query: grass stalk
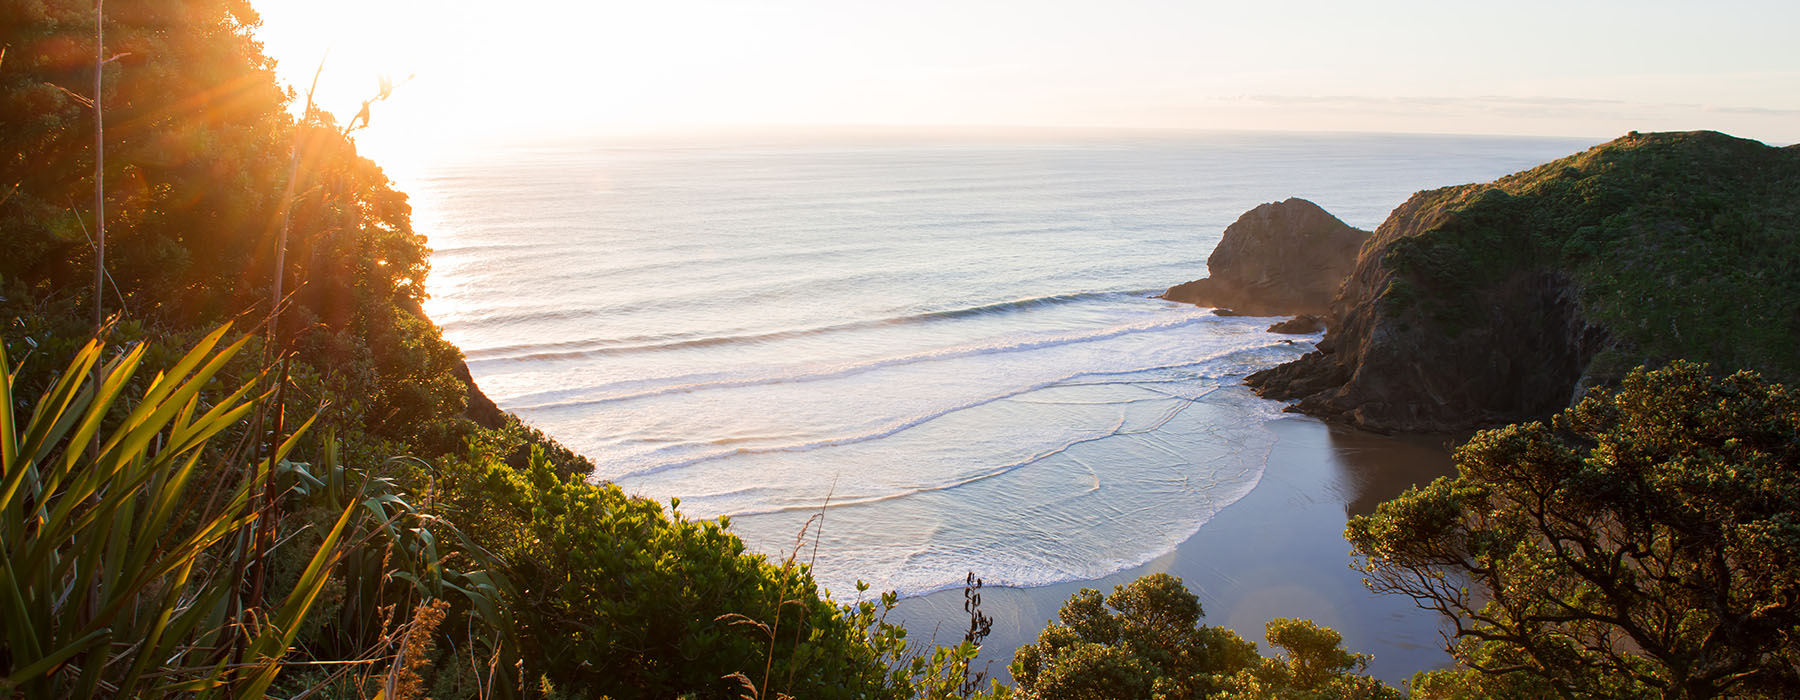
x=99, y=165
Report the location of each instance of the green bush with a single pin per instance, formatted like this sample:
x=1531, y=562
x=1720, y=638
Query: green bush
x=1145, y=641
x=617, y=596
x=1314, y=666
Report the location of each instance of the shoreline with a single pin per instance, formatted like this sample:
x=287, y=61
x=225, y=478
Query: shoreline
x=1277, y=552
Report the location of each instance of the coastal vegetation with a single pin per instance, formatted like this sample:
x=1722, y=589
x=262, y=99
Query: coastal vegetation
x=106, y=540
x=1641, y=544
x=1681, y=246
x=265, y=472
x=1145, y=641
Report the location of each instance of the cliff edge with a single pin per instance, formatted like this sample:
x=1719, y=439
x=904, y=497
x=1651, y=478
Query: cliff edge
x=1279, y=259
x=1500, y=302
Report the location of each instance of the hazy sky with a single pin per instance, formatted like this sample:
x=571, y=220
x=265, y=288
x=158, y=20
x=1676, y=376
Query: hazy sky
x=485, y=70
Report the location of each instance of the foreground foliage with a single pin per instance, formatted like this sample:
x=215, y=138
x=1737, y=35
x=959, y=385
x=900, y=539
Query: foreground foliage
x=616, y=596
x=1145, y=641
x=1644, y=544
x=115, y=549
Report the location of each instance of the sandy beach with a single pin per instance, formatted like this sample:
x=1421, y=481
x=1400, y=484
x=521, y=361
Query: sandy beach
x=1278, y=552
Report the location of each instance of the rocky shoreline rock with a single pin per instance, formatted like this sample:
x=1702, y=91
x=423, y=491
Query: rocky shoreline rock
x=1279, y=259
x=1304, y=324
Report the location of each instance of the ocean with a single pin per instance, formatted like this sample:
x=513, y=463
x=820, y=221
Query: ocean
x=941, y=348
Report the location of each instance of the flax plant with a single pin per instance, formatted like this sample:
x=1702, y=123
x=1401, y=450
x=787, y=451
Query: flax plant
x=110, y=577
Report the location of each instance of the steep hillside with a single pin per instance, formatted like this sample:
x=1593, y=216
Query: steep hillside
x=1489, y=303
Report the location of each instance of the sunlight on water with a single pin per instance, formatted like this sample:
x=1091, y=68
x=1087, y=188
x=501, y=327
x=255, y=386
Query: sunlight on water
x=951, y=340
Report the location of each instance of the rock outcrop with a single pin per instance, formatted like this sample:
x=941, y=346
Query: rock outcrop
x=1493, y=303
x=1279, y=259
x=1300, y=325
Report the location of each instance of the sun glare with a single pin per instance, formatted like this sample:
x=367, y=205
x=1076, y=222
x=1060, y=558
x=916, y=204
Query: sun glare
x=353, y=50
x=537, y=69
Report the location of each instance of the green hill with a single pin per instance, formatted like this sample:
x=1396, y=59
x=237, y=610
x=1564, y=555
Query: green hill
x=1488, y=303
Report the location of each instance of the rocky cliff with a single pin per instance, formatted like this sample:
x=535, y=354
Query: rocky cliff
x=1278, y=259
x=1499, y=302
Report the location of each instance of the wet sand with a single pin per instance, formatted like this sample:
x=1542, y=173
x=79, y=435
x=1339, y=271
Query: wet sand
x=1278, y=552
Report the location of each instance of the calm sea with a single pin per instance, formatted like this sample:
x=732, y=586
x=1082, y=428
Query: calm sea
x=943, y=342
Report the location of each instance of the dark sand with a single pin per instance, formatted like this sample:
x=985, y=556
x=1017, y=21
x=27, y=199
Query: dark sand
x=1278, y=552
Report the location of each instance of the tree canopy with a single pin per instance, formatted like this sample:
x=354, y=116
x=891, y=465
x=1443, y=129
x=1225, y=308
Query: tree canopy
x=210, y=181
x=1644, y=543
x=1145, y=640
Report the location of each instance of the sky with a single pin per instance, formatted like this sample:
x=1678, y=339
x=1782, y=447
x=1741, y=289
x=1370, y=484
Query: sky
x=481, y=72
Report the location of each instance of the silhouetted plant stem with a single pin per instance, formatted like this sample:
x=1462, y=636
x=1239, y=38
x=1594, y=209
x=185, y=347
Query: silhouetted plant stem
x=93, y=609
x=99, y=167
x=287, y=210
x=268, y=517
x=980, y=625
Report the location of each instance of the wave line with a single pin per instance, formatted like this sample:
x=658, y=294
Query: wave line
x=528, y=352
x=854, y=368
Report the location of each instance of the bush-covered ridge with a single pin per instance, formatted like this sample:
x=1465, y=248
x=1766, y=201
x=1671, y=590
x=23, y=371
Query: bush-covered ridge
x=1682, y=245
x=1482, y=304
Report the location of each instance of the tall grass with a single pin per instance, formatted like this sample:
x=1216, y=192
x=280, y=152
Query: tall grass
x=112, y=573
